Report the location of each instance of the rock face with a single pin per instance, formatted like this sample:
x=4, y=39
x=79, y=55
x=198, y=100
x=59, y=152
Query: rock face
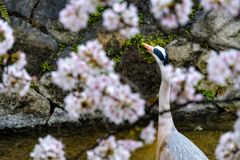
x=21, y=7
x=46, y=15
x=113, y=47
x=141, y=73
x=61, y=116
x=50, y=90
x=183, y=53
x=220, y=30
x=29, y=111
x=208, y=85
x=197, y=109
x=38, y=46
x=230, y=93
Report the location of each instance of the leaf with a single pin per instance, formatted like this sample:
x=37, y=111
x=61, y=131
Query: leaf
x=4, y=12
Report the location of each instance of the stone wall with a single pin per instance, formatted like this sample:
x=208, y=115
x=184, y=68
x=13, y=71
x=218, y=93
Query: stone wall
x=38, y=34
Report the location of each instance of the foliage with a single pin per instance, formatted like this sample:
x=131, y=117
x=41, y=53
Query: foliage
x=116, y=59
x=32, y=84
x=4, y=12
x=219, y=90
x=205, y=45
x=140, y=19
x=61, y=46
x=36, y=24
x=188, y=32
x=208, y=94
x=45, y=66
x=95, y=16
x=191, y=15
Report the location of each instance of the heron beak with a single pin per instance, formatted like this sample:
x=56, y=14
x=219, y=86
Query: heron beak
x=149, y=48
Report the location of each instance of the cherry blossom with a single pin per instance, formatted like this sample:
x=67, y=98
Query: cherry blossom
x=224, y=6
x=183, y=82
x=75, y=16
x=114, y=150
x=15, y=77
x=229, y=143
x=130, y=144
x=217, y=69
x=122, y=18
x=223, y=66
x=111, y=20
x=129, y=32
x=100, y=92
x=228, y=148
x=109, y=2
x=6, y=37
x=148, y=133
x=49, y=148
x=171, y=13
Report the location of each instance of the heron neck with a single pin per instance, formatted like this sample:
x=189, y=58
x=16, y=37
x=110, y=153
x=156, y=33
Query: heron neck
x=165, y=121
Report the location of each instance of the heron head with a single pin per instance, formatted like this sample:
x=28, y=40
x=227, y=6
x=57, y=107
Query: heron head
x=160, y=52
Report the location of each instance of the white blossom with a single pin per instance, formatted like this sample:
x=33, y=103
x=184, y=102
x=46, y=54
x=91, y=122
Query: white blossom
x=148, y=133
x=6, y=37
x=15, y=78
x=49, y=148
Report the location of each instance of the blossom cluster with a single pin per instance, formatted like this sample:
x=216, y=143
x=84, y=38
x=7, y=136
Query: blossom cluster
x=223, y=66
x=122, y=18
x=87, y=69
x=110, y=149
x=225, y=6
x=15, y=77
x=183, y=82
x=171, y=14
x=49, y=148
x=75, y=16
x=6, y=37
x=229, y=143
x=148, y=133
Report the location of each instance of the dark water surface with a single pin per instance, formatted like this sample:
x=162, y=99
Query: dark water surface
x=19, y=145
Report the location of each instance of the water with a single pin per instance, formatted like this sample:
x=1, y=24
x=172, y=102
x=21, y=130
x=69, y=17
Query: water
x=19, y=145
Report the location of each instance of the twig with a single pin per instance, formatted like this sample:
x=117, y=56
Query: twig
x=106, y=125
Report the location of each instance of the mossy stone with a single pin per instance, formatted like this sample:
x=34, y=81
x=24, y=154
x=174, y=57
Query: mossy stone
x=113, y=47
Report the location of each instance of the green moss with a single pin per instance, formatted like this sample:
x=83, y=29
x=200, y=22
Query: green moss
x=191, y=15
x=116, y=59
x=205, y=45
x=95, y=16
x=140, y=19
x=61, y=46
x=32, y=84
x=36, y=24
x=208, y=94
x=45, y=66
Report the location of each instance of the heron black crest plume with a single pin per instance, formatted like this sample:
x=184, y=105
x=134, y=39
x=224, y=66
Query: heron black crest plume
x=162, y=54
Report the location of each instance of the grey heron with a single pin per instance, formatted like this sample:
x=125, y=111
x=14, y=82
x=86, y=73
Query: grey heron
x=171, y=145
